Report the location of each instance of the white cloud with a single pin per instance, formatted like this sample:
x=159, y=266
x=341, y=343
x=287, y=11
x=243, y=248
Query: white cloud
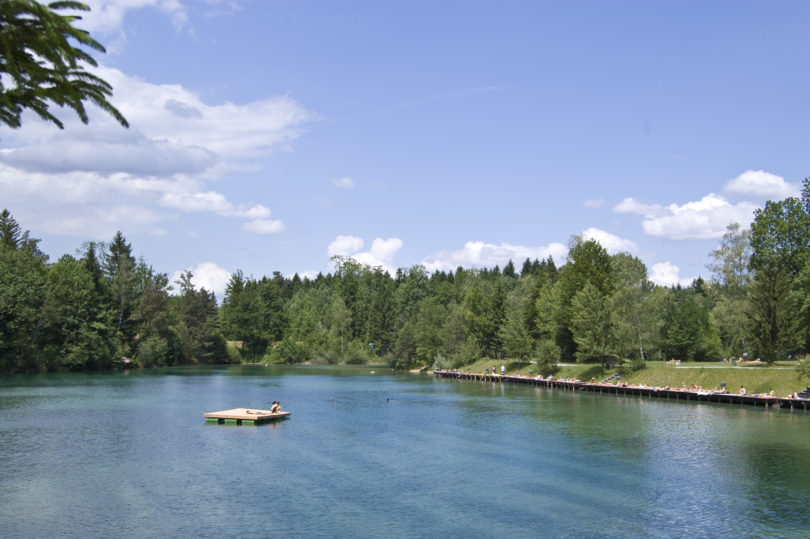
x=477, y=254
x=343, y=183
x=381, y=254
x=164, y=138
x=706, y=218
x=194, y=202
x=254, y=212
x=614, y=244
x=386, y=249
x=211, y=201
x=597, y=203
x=345, y=246
x=631, y=205
x=176, y=143
x=107, y=16
x=667, y=274
x=263, y=226
x=206, y=275
x=762, y=185
x=96, y=151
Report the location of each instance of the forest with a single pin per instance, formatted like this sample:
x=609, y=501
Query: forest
x=104, y=309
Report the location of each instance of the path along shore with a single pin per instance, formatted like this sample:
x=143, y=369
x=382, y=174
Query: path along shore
x=768, y=401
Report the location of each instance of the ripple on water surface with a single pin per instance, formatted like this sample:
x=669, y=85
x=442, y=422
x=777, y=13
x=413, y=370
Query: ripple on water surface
x=371, y=455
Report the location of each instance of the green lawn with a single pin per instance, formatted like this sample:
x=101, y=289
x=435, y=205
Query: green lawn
x=757, y=379
x=782, y=377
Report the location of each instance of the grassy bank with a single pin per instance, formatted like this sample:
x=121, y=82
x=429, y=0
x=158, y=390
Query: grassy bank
x=782, y=377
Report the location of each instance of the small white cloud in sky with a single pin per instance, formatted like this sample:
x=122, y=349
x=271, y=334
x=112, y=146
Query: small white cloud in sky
x=107, y=16
x=668, y=274
x=614, y=244
x=762, y=185
x=345, y=245
x=263, y=226
x=343, y=183
x=385, y=249
x=381, y=254
x=211, y=201
x=253, y=212
x=195, y=202
x=596, y=203
x=706, y=218
x=631, y=205
x=205, y=275
x=477, y=254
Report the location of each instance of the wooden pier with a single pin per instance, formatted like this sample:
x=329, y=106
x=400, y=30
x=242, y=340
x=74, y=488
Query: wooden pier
x=651, y=392
x=244, y=416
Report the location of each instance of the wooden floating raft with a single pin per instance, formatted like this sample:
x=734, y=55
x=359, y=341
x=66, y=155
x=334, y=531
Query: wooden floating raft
x=243, y=416
x=661, y=393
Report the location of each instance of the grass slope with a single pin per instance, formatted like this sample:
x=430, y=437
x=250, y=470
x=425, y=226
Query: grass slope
x=782, y=377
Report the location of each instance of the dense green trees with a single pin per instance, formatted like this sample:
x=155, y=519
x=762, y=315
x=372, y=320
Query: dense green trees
x=597, y=307
x=90, y=312
x=780, y=260
x=87, y=313
x=22, y=282
x=197, y=321
x=635, y=308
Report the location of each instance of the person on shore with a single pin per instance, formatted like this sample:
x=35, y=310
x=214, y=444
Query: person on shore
x=741, y=391
x=503, y=370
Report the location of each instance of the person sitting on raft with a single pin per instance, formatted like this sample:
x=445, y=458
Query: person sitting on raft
x=275, y=408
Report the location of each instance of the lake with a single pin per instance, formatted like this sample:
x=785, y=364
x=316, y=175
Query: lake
x=369, y=453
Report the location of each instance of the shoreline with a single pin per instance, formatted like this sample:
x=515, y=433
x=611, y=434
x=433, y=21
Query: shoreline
x=767, y=401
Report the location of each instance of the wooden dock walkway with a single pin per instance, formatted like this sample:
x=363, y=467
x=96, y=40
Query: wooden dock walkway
x=652, y=392
x=244, y=416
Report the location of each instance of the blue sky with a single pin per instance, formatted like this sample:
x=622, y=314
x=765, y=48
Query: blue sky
x=269, y=135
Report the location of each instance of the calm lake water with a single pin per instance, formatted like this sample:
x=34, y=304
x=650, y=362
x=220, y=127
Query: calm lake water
x=372, y=454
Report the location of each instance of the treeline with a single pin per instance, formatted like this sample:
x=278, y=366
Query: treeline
x=97, y=311
x=88, y=312
x=596, y=307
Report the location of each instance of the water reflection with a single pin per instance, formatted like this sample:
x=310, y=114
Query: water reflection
x=388, y=455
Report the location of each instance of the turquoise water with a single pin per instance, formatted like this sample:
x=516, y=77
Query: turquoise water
x=370, y=454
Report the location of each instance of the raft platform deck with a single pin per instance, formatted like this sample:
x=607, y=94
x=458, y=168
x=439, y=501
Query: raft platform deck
x=243, y=416
x=654, y=392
